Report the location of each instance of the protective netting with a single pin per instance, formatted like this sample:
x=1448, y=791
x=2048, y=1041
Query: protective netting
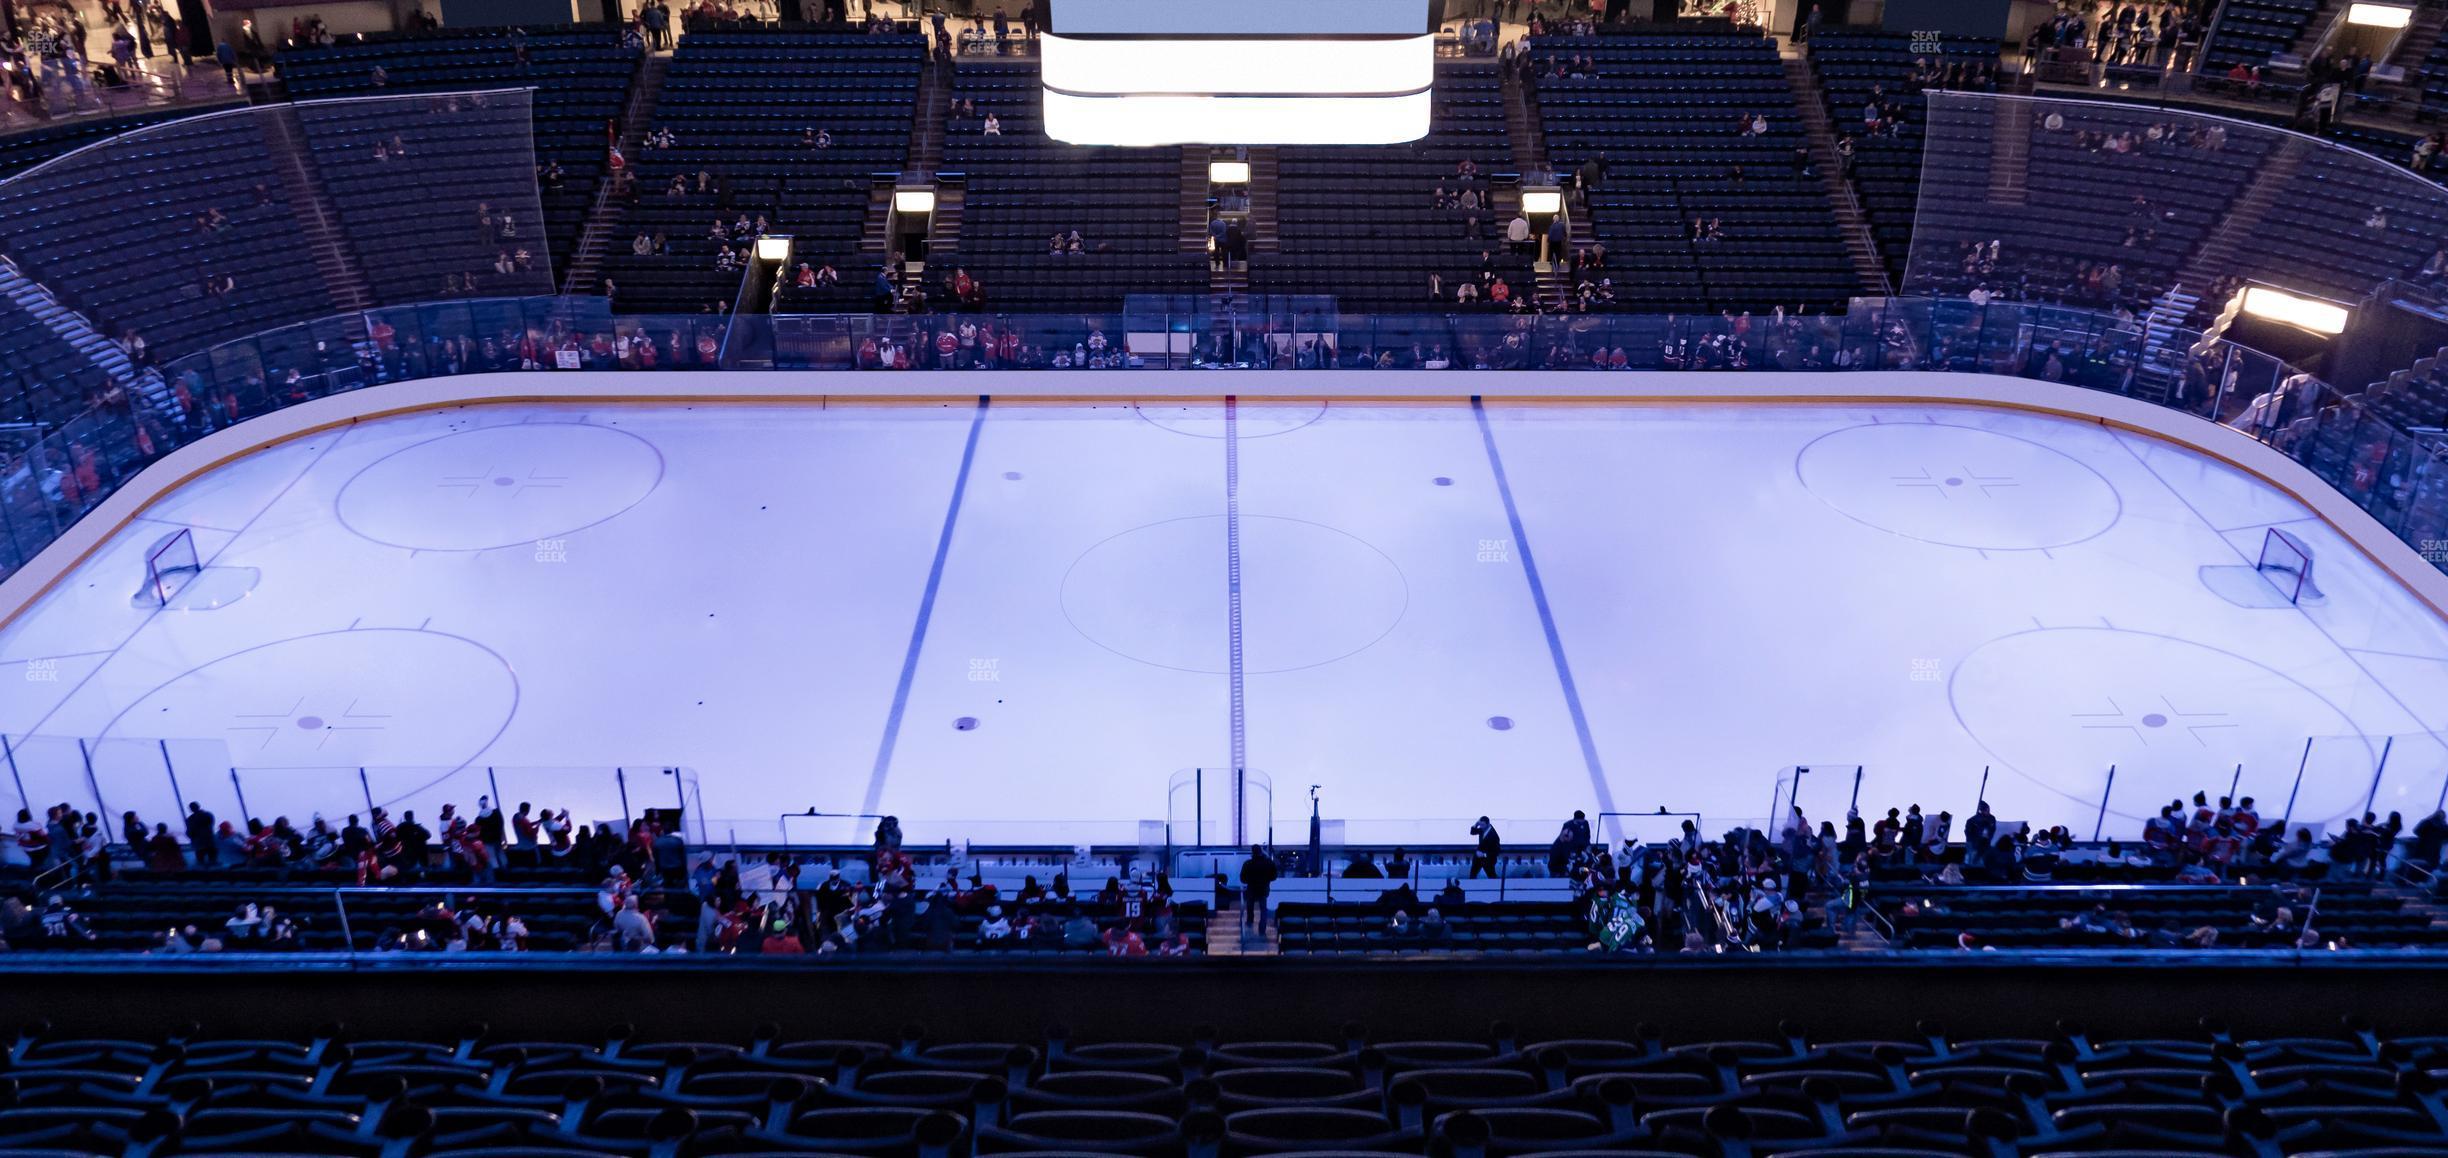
x=210, y=228
x=2100, y=204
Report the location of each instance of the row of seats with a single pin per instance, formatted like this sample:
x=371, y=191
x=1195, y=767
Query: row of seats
x=1920, y=1092
x=117, y=235
x=1665, y=114
x=20, y=151
x=430, y=195
x=1362, y=223
x=2055, y=201
x=43, y=381
x=1021, y=189
x=2249, y=32
x=132, y=918
x=2339, y=226
x=1936, y=916
x=745, y=108
x=1500, y=927
x=580, y=78
x=1857, y=65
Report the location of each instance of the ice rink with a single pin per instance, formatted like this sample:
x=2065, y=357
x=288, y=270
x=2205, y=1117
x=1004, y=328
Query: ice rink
x=1016, y=622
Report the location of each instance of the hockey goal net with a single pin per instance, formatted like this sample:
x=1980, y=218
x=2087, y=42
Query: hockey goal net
x=2287, y=563
x=169, y=564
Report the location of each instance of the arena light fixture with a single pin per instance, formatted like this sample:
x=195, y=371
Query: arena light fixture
x=773, y=249
x=1541, y=202
x=1218, y=65
x=913, y=202
x=2277, y=305
x=1179, y=120
x=2378, y=15
x=1228, y=172
x=1258, y=72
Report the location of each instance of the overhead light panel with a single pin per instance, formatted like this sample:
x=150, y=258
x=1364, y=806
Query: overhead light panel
x=1255, y=72
x=2379, y=15
x=1183, y=120
x=2320, y=317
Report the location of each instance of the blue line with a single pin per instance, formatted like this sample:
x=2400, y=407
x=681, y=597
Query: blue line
x=1538, y=596
x=926, y=611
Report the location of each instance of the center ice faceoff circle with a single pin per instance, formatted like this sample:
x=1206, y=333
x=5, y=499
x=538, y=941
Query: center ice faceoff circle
x=1310, y=594
x=499, y=486
x=1200, y=419
x=2060, y=705
x=1958, y=486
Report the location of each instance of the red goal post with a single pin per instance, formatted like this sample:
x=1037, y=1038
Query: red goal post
x=171, y=557
x=2286, y=561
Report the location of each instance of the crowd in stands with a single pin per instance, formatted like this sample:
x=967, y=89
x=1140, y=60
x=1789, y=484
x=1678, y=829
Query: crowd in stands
x=1901, y=875
x=380, y=849
x=1808, y=886
x=650, y=894
x=2144, y=35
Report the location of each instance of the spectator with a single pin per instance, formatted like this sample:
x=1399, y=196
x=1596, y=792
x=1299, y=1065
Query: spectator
x=1078, y=932
x=63, y=926
x=1571, y=841
x=1257, y=879
x=1490, y=847
x=995, y=929
x=162, y=853
x=1125, y=941
x=632, y=931
x=200, y=836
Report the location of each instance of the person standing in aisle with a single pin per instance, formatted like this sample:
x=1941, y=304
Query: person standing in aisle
x=1257, y=879
x=1491, y=846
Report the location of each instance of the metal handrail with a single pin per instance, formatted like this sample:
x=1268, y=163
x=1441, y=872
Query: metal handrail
x=67, y=867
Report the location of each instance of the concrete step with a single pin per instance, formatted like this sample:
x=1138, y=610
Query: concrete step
x=604, y=217
x=81, y=335
x=1854, y=225
x=1227, y=938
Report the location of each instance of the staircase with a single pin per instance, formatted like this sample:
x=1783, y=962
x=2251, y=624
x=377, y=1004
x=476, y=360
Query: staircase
x=1555, y=283
x=1226, y=938
x=1522, y=129
x=2413, y=899
x=943, y=233
x=2163, y=355
x=2237, y=230
x=2317, y=28
x=1865, y=937
x=934, y=107
x=2010, y=154
x=876, y=237
x=2420, y=37
x=604, y=219
x=1265, y=167
x=1860, y=244
x=1527, y=140
x=85, y=338
x=317, y=221
x=2413, y=49
x=1194, y=199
